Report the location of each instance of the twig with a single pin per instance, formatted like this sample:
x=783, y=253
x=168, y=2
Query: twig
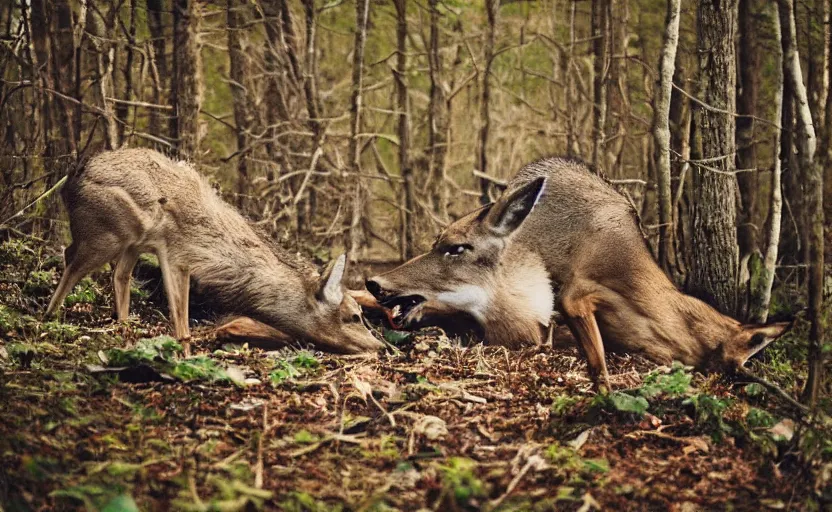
x=774, y=388
x=258, y=475
x=45, y=194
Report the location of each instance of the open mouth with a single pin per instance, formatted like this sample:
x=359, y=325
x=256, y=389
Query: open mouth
x=399, y=307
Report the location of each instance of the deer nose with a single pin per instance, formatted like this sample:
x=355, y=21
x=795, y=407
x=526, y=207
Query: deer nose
x=374, y=288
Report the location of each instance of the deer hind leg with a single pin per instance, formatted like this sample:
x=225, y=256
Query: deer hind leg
x=122, y=273
x=579, y=308
x=176, y=280
x=80, y=258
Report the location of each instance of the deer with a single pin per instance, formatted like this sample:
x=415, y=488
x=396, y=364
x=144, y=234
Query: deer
x=127, y=202
x=561, y=239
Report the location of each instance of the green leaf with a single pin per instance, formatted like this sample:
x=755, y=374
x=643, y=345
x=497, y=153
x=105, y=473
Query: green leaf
x=628, y=403
x=121, y=503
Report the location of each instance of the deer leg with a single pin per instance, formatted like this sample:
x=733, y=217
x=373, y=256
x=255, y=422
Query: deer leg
x=121, y=282
x=174, y=277
x=79, y=260
x=580, y=313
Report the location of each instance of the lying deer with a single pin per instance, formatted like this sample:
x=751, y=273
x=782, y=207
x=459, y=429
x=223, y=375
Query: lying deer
x=131, y=201
x=560, y=227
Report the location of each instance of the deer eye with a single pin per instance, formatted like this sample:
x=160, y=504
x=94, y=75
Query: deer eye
x=452, y=251
x=356, y=318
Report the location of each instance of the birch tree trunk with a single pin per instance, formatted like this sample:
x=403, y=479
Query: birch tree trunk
x=714, y=249
x=762, y=283
x=661, y=131
x=813, y=185
x=492, y=10
x=356, y=237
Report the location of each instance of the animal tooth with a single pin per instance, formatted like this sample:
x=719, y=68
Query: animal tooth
x=397, y=309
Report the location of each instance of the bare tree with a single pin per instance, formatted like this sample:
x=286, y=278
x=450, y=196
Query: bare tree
x=762, y=283
x=601, y=36
x=362, y=12
x=748, y=60
x=492, y=10
x=437, y=122
x=408, y=202
x=714, y=248
x=813, y=179
x=239, y=76
x=187, y=77
x=661, y=131
x=158, y=60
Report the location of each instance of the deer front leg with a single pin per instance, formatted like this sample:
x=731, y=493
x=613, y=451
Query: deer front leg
x=579, y=309
x=176, y=281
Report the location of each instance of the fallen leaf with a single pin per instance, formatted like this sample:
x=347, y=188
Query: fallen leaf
x=783, y=430
x=579, y=441
x=431, y=427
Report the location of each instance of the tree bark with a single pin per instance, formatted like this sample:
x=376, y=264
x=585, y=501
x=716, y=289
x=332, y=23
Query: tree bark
x=813, y=182
x=123, y=109
x=661, y=131
x=748, y=60
x=407, y=200
x=187, y=88
x=492, y=9
x=762, y=282
x=362, y=11
x=437, y=122
x=239, y=74
x=715, y=253
x=600, y=64
x=159, y=62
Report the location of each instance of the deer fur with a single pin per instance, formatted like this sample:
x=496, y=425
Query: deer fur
x=560, y=228
x=131, y=201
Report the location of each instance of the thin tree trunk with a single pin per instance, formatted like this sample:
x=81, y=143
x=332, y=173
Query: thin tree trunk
x=159, y=63
x=748, y=60
x=813, y=180
x=661, y=131
x=188, y=77
x=123, y=109
x=714, y=272
x=600, y=51
x=102, y=29
x=437, y=128
x=306, y=208
x=239, y=73
x=405, y=168
x=492, y=9
x=79, y=35
x=764, y=280
x=362, y=11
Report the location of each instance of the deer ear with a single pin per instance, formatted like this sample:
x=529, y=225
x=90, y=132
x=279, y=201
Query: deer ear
x=509, y=212
x=757, y=337
x=331, y=290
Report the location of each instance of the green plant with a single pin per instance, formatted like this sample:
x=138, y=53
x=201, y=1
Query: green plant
x=673, y=384
x=300, y=363
x=568, y=463
x=39, y=283
x=460, y=481
x=622, y=402
x=710, y=412
x=562, y=404
x=297, y=501
x=85, y=292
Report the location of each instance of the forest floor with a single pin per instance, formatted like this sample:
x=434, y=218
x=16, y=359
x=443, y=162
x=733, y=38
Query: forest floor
x=102, y=415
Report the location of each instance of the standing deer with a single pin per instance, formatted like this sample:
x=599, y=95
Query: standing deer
x=131, y=201
x=560, y=227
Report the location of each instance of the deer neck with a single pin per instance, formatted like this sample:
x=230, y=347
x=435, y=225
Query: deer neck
x=521, y=305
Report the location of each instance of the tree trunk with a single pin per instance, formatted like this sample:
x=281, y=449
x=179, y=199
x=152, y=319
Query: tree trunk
x=407, y=200
x=158, y=61
x=492, y=9
x=123, y=109
x=187, y=88
x=661, y=131
x=762, y=282
x=714, y=272
x=600, y=63
x=239, y=74
x=813, y=183
x=362, y=12
x=437, y=123
x=748, y=60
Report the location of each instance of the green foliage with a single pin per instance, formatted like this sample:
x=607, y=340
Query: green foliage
x=673, y=384
x=709, y=411
x=622, y=402
x=199, y=368
x=305, y=437
x=298, y=501
x=59, y=332
x=568, y=463
x=85, y=292
x=16, y=252
x=39, y=283
x=562, y=404
x=460, y=481
x=146, y=350
x=9, y=319
x=302, y=362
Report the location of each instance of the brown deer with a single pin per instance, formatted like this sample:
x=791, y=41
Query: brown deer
x=558, y=227
x=131, y=201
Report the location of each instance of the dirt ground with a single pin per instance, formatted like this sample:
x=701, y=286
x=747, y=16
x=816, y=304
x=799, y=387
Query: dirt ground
x=430, y=424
